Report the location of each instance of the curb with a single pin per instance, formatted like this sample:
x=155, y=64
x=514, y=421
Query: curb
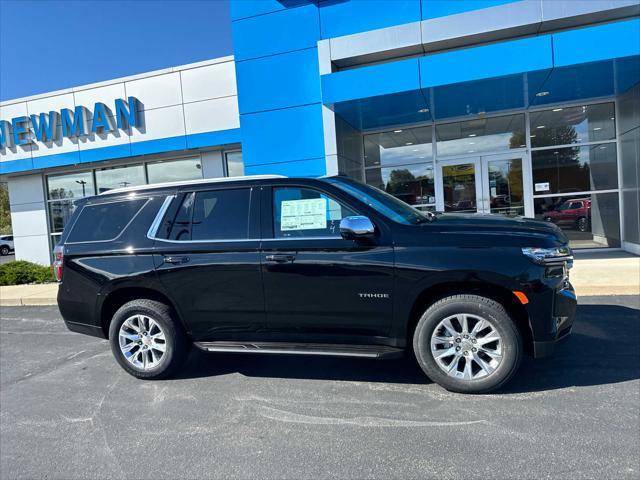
x=26, y=302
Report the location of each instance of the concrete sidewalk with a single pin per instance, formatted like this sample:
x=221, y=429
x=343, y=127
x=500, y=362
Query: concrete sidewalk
x=594, y=273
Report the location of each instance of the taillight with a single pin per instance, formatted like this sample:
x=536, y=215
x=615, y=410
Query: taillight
x=58, y=262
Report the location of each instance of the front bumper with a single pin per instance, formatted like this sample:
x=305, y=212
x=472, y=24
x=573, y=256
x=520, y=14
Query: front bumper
x=565, y=304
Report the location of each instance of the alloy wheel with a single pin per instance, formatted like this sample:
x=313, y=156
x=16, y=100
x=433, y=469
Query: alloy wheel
x=142, y=342
x=466, y=346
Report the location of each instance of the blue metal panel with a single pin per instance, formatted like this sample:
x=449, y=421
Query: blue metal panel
x=278, y=81
x=56, y=160
x=313, y=167
x=345, y=17
x=211, y=139
x=105, y=153
x=251, y=8
x=386, y=78
x=20, y=165
x=613, y=40
x=278, y=32
x=500, y=59
x=282, y=135
x=471, y=98
x=442, y=8
x=384, y=110
x=159, y=145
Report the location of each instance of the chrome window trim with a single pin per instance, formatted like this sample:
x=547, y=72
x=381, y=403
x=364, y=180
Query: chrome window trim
x=153, y=229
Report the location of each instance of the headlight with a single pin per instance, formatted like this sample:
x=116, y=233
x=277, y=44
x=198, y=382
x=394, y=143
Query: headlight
x=546, y=256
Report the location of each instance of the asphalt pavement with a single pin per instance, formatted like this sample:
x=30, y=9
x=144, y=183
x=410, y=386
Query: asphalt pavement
x=68, y=411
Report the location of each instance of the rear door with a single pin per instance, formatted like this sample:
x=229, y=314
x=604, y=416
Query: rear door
x=208, y=260
x=317, y=284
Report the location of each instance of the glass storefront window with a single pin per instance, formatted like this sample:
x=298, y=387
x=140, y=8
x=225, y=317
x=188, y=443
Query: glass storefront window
x=506, y=194
x=398, y=147
x=72, y=185
x=118, y=177
x=235, y=165
x=575, y=169
x=564, y=126
x=174, y=170
x=589, y=221
x=470, y=137
x=59, y=214
x=413, y=184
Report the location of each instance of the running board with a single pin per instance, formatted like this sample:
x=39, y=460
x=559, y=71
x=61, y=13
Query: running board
x=333, y=350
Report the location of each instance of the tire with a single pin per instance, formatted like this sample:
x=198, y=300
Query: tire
x=496, y=372
x=176, y=345
x=4, y=250
x=582, y=224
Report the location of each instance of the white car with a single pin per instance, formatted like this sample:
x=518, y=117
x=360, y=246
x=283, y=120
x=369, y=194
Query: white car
x=6, y=244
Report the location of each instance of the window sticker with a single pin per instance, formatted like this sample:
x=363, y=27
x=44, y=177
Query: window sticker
x=306, y=214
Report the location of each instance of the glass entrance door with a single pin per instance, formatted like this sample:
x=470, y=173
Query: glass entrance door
x=488, y=184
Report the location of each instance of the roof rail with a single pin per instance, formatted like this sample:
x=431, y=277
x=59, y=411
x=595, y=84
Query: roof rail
x=190, y=182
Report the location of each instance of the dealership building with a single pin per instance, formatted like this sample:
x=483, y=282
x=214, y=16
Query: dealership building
x=512, y=107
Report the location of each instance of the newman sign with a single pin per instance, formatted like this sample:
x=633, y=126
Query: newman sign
x=48, y=127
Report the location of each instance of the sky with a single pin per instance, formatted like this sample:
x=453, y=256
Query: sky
x=48, y=45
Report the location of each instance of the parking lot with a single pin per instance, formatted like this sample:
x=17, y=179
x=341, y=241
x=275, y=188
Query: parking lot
x=7, y=258
x=68, y=411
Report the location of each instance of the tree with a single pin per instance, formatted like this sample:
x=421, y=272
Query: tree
x=5, y=213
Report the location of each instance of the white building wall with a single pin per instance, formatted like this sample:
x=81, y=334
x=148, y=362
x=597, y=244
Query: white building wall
x=29, y=218
x=175, y=102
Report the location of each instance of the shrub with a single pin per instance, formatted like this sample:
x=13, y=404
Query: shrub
x=21, y=272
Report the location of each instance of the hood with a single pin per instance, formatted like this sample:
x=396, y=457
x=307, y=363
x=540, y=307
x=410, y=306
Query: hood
x=497, y=224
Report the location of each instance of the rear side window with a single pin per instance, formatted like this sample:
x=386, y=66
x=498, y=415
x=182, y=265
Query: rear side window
x=105, y=221
x=212, y=215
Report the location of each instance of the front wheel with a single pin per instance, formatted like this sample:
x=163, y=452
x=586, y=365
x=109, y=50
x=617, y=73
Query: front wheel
x=4, y=250
x=583, y=224
x=468, y=344
x=147, y=340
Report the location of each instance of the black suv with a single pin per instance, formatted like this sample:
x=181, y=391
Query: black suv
x=325, y=266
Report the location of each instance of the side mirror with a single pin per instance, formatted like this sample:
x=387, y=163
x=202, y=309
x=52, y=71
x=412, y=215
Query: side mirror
x=356, y=226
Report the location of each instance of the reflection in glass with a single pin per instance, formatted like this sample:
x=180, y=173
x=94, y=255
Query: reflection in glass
x=459, y=187
x=398, y=147
x=589, y=221
x=59, y=214
x=505, y=186
x=563, y=126
x=72, y=185
x=235, y=165
x=174, y=171
x=414, y=184
x=575, y=169
x=481, y=135
x=118, y=177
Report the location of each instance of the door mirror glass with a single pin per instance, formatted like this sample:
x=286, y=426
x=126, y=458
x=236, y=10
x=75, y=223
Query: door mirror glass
x=356, y=226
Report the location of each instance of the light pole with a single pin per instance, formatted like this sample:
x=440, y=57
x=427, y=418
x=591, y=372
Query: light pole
x=83, y=183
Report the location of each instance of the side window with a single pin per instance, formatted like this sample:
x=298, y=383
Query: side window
x=575, y=205
x=303, y=212
x=212, y=215
x=104, y=221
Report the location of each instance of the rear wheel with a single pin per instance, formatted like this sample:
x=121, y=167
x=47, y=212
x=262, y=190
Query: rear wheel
x=468, y=344
x=146, y=339
x=4, y=250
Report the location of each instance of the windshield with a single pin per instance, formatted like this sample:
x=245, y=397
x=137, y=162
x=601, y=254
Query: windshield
x=386, y=204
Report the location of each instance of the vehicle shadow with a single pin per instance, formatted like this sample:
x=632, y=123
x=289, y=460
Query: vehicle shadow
x=602, y=350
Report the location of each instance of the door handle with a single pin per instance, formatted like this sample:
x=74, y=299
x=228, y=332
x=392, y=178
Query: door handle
x=176, y=260
x=280, y=258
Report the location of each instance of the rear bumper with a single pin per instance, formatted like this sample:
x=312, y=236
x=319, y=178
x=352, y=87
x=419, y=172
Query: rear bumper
x=84, y=328
x=564, y=312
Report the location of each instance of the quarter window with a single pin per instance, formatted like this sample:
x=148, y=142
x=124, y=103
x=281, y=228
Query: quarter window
x=303, y=212
x=104, y=221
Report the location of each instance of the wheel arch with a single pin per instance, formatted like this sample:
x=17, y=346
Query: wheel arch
x=500, y=294
x=116, y=298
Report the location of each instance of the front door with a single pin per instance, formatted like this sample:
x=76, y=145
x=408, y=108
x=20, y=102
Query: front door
x=487, y=184
x=317, y=284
